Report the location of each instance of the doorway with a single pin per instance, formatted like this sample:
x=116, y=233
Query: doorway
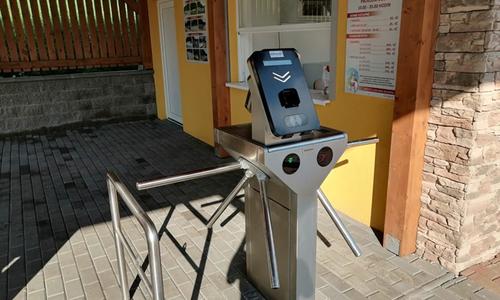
x=168, y=37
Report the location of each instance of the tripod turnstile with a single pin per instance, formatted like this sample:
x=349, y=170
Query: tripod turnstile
x=285, y=156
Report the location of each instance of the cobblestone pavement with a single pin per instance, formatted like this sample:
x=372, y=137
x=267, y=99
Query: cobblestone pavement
x=56, y=240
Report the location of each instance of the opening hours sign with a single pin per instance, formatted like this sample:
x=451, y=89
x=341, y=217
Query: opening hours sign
x=372, y=47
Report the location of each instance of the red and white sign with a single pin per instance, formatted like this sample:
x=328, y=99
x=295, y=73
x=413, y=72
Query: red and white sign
x=372, y=47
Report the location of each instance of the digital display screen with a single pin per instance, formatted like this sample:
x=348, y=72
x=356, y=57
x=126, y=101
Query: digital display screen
x=282, y=62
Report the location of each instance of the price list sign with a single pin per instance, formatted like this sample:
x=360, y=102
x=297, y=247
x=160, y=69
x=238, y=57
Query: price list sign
x=372, y=47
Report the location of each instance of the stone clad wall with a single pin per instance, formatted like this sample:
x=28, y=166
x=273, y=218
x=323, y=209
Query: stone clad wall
x=30, y=103
x=459, y=224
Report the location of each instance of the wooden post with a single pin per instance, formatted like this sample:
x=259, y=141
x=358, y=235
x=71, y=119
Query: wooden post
x=419, y=25
x=147, y=56
x=221, y=104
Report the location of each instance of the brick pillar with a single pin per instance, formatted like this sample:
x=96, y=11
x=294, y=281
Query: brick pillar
x=459, y=224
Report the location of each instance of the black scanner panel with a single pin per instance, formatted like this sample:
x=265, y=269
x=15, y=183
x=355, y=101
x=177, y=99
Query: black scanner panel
x=285, y=95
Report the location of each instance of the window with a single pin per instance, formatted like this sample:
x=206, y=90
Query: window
x=316, y=9
x=301, y=24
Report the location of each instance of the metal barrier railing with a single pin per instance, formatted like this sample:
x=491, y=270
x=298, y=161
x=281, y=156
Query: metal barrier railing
x=155, y=286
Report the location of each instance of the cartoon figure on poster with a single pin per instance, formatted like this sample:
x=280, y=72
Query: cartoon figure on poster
x=352, y=80
x=195, y=30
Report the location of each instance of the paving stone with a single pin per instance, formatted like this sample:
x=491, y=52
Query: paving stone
x=112, y=293
x=385, y=288
x=186, y=290
x=336, y=282
x=88, y=276
x=36, y=284
x=487, y=294
x=210, y=291
x=378, y=296
x=74, y=289
x=445, y=294
x=54, y=286
x=432, y=268
x=57, y=297
x=465, y=288
x=354, y=295
x=70, y=273
x=107, y=279
x=93, y=291
x=405, y=265
x=51, y=270
x=366, y=288
x=178, y=276
x=38, y=295
x=170, y=289
x=331, y=293
x=102, y=264
x=219, y=280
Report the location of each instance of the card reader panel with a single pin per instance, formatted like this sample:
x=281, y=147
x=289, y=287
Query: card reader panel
x=284, y=92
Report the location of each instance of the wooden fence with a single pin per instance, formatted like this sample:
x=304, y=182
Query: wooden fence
x=68, y=34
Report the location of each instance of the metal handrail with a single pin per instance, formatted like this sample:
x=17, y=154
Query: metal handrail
x=155, y=286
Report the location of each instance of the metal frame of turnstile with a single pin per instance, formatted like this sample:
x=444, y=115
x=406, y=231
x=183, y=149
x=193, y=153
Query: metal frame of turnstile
x=117, y=190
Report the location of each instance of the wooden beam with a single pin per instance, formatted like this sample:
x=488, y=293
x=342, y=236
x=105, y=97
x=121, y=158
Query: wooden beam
x=419, y=25
x=221, y=104
x=146, y=51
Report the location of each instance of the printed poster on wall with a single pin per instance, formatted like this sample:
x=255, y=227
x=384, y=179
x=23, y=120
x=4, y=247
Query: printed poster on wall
x=195, y=29
x=372, y=47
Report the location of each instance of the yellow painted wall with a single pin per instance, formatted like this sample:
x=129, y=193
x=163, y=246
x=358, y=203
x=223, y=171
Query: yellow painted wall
x=239, y=114
x=359, y=187
x=195, y=86
x=157, y=64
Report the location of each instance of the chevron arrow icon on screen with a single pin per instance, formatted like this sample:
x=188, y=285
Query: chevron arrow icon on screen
x=282, y=78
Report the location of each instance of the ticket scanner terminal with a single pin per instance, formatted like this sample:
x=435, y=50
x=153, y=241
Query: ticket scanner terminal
x=279, y=98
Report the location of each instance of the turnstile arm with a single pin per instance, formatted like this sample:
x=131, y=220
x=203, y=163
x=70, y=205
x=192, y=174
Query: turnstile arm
x=338, y=222
x=270, y=247
x=248, y=174
x=188, y=176
x=363, y=142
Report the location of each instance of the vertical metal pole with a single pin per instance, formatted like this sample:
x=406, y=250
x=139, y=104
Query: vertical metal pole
x=338, y=222
x=120, y=255
x=272, y=263
x=229, y=198
x=155, y=263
